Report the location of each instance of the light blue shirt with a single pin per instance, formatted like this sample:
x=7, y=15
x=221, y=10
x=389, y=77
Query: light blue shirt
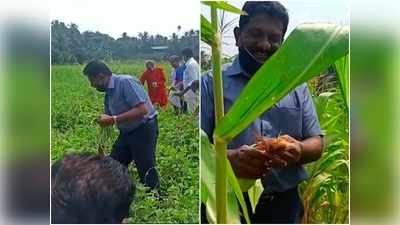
x=294, y=115
x=123, y=93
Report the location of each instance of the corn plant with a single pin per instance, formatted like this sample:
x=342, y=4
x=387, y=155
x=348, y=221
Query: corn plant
x=320, y=45
x=325, y=194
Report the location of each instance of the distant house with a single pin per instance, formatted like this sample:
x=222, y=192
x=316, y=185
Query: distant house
x=160, y=52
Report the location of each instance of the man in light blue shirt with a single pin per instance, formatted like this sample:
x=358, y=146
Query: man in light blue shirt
x=127, y=105
x=259, y=35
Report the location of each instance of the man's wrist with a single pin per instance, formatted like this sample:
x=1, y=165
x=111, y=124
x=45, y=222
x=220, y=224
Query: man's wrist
x=115, y=119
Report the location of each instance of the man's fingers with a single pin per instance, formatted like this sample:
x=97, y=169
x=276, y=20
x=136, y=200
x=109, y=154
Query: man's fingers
x=288, y=138
x=276, y=162
x=251, y=159
x=254, y=154
x=248, y=171
x=287, y=156
x=295, y=150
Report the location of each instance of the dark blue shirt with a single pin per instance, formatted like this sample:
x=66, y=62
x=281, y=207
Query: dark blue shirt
x=123, y=93
x=179, y=73
x=294, y=115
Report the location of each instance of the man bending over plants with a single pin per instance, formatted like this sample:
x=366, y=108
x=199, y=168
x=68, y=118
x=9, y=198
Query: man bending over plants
x=259, y=35
x=128, y=107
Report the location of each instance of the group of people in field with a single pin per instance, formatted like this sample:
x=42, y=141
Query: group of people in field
x=181, y=94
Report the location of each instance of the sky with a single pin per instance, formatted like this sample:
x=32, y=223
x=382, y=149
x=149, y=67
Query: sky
x=131, y=16
x=163, y=17
x=300, y=11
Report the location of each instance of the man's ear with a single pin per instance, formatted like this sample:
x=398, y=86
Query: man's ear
x=236, y=32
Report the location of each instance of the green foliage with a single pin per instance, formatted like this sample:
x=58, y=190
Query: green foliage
x=207, y=33
x=342, y=68
x=76, y=106
x=70, y=46
x=223, y=6
x=325, y=194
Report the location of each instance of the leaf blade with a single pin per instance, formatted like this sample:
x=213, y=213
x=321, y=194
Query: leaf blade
x=224, y=6
x=283, y=72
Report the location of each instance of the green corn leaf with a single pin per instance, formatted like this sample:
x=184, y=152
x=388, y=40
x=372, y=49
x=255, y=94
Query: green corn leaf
x=234, y=184
x=207, y=177
x=207, y=165
x=246, y=184
x=207, y=33
x=309, y=50
x=233, y=208
x=342, y=68
x=224, y=6
x=255, y=193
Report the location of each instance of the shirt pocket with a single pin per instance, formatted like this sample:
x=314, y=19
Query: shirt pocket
x=287, y=120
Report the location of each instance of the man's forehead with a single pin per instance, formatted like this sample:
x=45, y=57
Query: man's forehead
x=264, y=21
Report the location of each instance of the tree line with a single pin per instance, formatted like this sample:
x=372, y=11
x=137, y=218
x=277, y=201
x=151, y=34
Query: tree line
x=70, y=46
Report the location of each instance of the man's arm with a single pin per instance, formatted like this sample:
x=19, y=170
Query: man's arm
x=133, y=114
x=193, y=85
x=136, y=97
x=311, y=149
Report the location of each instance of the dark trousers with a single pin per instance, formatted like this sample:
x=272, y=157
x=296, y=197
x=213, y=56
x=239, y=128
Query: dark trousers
x=275, y=208
x=139, y=146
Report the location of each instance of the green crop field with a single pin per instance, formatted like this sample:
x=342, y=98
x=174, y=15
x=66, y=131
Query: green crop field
x=75, y=107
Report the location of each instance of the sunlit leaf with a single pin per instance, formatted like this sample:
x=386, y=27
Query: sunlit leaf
x=255, y=193
x=224, y=6
x=207, y=177
x=233, y=182
x=245, y=184
x=207, y=33
x=342, y=68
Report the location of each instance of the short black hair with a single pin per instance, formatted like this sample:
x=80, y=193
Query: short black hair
x=95, y=67
x=187, y=52
x=271, y=8
x=90, y=189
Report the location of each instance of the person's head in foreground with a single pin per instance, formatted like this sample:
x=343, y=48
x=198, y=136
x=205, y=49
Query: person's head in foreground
x=90, y=189
x=260, y=33
x=98, y=74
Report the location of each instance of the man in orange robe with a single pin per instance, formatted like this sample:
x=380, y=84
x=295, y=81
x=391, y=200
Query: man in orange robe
x=155, y=79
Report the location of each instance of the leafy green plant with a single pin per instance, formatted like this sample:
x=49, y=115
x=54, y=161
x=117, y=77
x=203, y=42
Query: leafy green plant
x=320, y=45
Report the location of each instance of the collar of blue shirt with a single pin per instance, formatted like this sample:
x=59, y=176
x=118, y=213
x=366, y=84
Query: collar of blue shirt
x=111, y=82
x=235, y=69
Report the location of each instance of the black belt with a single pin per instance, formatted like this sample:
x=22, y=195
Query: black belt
x=265, y=196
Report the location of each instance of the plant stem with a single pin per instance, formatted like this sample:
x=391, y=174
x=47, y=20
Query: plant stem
x=220, y=146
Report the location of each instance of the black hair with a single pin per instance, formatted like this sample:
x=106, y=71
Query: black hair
x=90, y=189
x=94, y=67
x=187, y=52
x=271, y=8
x=174, y=58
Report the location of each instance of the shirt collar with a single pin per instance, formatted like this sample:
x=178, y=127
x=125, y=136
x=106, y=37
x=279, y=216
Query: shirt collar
x=111, y=82
x=189, y=61
x=234, y=68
